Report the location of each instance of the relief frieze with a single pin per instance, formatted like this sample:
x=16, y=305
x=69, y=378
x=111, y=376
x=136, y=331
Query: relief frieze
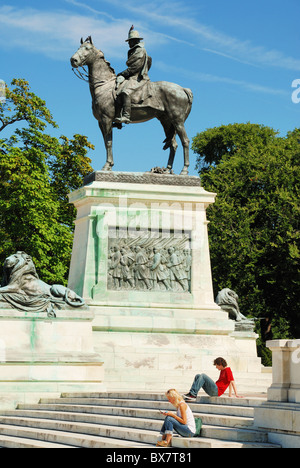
x=147, y=261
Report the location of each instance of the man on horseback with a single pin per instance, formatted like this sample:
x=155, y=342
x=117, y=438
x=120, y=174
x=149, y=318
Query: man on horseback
x=141, y=99
x=134, y=77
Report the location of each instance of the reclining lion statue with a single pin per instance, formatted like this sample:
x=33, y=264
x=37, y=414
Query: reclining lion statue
x=23, y=290
x=228, y=301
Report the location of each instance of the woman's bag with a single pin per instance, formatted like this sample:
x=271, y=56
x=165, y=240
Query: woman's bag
x=198, y=422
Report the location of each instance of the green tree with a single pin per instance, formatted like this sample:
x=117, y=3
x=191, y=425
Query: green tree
x=37, y=171
x=23, y=105
x=216, y=143
x=254, y=224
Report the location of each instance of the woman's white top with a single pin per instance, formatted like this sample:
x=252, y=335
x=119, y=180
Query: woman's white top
x=190, y=417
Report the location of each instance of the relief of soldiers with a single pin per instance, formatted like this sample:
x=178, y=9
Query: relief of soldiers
x=159, y=271
x=177, y=273
x=159, y=268
x=126, y=260
x=187, y=262
x=115, y=267
x=142, y=268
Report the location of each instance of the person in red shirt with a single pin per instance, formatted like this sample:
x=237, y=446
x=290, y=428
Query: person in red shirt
x=213, y=388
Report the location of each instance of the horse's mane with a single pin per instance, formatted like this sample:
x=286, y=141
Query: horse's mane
x=89, y=39
x=109, y=65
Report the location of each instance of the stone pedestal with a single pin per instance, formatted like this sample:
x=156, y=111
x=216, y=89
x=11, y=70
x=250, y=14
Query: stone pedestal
x=286, y=371
x=141, y=261
x=46, y=356
x=280, y=416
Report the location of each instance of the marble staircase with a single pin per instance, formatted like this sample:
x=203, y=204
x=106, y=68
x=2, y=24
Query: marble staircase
x=128, y=420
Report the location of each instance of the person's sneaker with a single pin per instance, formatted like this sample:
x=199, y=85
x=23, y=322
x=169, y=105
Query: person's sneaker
x=189, y=397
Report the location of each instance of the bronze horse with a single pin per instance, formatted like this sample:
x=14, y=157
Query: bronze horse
x=175, y=104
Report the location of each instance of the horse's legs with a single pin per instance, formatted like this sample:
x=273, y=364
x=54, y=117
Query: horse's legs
x=170, y=141
x=106, y=129
x=173, y=148
x=186, y=147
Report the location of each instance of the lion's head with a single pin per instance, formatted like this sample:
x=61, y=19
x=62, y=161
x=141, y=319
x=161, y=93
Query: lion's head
x=22, y=288
x=227, y=297
x=228, y=301
x=15, y=267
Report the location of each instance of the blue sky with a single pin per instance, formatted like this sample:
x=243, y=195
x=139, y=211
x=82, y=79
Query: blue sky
x=239, y=58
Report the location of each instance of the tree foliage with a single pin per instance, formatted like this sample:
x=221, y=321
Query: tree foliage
x=37, y=171
x=254, y=224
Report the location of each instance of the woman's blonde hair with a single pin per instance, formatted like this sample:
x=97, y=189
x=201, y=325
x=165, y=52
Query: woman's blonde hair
x=175, y=396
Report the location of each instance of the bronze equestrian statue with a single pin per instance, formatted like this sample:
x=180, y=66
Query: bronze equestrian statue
x=131, y=97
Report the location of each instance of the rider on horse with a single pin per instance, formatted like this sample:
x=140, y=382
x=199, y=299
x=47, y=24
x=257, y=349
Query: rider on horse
x=134, y=77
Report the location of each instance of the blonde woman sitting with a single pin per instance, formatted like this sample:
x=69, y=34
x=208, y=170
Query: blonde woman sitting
x=183, y=422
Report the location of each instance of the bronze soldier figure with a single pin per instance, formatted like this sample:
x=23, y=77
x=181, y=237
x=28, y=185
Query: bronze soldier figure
x=135, y=75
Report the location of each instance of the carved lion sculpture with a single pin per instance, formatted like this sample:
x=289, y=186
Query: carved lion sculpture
x=228, y=300
x=22, y=288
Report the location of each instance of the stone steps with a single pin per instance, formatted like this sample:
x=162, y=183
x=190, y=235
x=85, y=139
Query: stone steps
x=126, y=420
x=63, y=438
x=146, y=378
x=20, y=442
x=78, y=422
x=137, y=410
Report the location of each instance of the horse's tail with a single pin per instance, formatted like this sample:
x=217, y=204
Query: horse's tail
x=190, y=97
x=189, y=94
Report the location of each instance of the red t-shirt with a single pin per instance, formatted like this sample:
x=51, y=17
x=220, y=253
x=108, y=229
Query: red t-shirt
x=224, y=380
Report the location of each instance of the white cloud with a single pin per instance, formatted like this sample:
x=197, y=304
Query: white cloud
x=55, y=33
x=178, y=15
x=156, y=37
x=209, y=78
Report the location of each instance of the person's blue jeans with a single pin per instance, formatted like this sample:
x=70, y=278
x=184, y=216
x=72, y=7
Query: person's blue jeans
x=170, y=424
x=205, y=382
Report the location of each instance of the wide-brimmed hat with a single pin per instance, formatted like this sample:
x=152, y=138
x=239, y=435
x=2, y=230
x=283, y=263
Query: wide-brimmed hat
x=133, y=34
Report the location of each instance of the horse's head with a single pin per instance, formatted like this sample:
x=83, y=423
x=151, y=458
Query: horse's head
x=85, y=54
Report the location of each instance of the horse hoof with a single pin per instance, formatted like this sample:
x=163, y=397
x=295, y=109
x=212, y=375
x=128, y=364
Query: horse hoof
x=184, y=171
x=107, y=167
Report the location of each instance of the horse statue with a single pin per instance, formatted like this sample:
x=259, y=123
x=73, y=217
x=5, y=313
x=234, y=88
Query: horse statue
x=170, y=104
